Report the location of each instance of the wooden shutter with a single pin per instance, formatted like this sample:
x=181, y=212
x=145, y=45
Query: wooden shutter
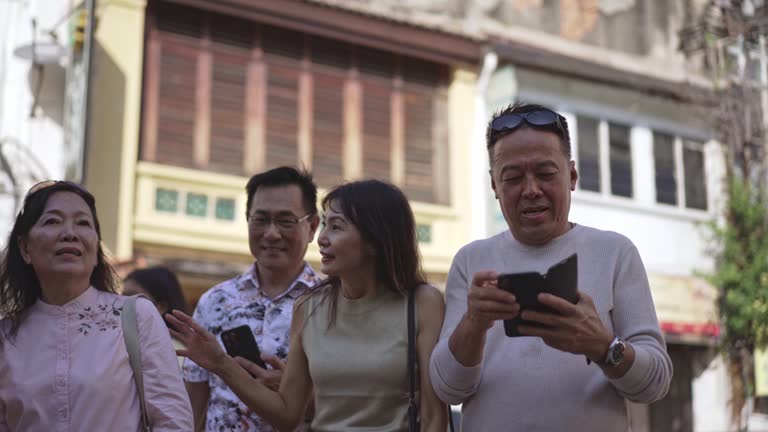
x=421, y=90
x=282, y=53
x=377, y=140
x=376, y=74
x=418, y=143
x=230, y=46
x=217, y=81
x=179, y=33
x=330, y=64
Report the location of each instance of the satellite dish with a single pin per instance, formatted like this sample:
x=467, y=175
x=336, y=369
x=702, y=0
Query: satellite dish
x=40, y=52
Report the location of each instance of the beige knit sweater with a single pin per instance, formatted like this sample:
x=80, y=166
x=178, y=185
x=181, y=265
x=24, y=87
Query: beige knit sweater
x=524, y=385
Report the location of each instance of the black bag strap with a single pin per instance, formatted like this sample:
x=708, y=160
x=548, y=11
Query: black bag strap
x=413, y=423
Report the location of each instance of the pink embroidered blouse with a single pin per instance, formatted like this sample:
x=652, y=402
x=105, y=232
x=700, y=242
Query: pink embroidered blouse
x=67, y=370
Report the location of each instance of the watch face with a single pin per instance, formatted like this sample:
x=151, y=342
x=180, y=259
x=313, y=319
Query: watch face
x=617, y=352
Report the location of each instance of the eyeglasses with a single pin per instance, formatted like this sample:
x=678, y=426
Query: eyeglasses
x=283, y=223
x=541, y=118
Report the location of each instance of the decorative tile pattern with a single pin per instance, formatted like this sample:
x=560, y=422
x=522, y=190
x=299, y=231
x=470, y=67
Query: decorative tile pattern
x=166, y=200
x=225, y=209
x=424, y=233
x=197, y=204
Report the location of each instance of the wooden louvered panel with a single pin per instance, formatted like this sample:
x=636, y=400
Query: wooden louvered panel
x=327, y=121
x=376, y=63
x=327, y=52
x=231, y=32
x=423, y=73
x=282, y=113
x=377, y=140
x=173, y=19
x=176, y=104
x=418, y=143
x=304, y=102
x=282, y=43
x=228, y=108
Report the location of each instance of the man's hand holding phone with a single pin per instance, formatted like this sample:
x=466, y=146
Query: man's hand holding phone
x=269, y=377
x=576, y=328
x=487, y=303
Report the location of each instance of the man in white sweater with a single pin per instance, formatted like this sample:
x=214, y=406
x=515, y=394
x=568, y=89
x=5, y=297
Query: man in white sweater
x=578, y=373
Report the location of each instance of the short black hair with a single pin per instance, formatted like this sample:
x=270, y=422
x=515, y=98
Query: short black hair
x=283, y=176
x=521, y=107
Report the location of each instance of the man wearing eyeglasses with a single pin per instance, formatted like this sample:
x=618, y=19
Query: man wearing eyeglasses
x=577, y=372
x=282, y=219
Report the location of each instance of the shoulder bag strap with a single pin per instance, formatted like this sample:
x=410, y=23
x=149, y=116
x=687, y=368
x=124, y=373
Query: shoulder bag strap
x=413, y=423
x=131, y=335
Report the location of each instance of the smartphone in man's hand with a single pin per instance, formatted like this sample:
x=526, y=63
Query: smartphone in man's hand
x=239, y=342
x=560, y=280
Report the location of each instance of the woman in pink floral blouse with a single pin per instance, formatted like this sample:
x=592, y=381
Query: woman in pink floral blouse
x=63, y=363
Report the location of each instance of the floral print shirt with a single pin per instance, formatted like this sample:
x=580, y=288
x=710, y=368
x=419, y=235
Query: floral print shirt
x=66, y=369
x=233, y=303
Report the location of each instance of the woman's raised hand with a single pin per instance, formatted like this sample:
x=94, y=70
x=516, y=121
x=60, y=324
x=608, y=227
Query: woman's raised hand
x=200, y=345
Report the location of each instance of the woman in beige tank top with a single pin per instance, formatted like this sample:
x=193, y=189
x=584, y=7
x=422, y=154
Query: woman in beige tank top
x=349, y=336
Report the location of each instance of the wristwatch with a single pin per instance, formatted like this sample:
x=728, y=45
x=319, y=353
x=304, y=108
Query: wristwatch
x=615, y=354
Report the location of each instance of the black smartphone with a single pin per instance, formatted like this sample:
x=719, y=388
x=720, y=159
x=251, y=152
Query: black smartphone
x=239, y=342
x=561, y=280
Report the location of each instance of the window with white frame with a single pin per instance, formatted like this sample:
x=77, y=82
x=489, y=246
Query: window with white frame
x=620, y=152
x=676, y=159
x=589, y=153
x=604, y=156
x=664, y=161
x=693, y=173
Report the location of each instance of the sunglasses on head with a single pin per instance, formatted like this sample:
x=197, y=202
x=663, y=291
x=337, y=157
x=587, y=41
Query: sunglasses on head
x=37, y=187
x=45, y=184
x=541, y=118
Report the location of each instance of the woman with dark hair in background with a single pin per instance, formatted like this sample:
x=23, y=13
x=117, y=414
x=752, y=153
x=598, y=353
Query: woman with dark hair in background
x=63, y=361
x=161, y=286
x=349, y=336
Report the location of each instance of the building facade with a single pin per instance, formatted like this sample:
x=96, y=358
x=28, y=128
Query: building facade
x=195, y=97
x=35, y=72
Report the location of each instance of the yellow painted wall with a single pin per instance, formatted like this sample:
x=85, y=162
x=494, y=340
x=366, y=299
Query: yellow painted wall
x=115, y=113
x=461, y=112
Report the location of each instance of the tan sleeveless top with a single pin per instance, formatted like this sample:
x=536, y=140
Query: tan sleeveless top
x=359, y=365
